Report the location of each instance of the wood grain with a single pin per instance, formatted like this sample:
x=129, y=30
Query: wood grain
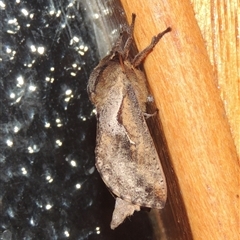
x=184, y=76
x=219, y=24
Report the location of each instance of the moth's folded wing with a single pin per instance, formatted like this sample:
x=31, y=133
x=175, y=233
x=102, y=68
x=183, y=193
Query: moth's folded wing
x=130, y=165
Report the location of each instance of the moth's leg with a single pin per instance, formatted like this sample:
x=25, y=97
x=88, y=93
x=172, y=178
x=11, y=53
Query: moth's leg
x=129, y=41
x=148, y=115
x=118, y=47
x=140, y=56
x=150, y=99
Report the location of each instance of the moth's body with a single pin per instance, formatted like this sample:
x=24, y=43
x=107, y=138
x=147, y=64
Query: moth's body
x=126, y=156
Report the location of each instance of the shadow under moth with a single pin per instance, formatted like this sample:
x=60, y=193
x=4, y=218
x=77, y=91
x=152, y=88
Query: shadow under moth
x=126, y=157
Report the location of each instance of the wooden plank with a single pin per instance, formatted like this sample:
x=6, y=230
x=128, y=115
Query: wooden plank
x=185, y=88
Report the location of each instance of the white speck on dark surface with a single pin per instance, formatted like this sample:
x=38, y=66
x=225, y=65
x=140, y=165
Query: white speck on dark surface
x=49, y=186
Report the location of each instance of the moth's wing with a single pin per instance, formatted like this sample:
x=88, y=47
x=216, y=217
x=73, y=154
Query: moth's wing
x=126, y=156
x=122, y=210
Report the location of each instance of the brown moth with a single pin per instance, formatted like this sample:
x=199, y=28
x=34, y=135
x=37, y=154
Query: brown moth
x=126, y=157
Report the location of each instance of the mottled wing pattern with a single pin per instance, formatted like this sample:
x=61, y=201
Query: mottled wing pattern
x=125, y=153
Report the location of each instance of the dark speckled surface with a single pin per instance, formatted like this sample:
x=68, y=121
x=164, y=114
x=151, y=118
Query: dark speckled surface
x=50, y=188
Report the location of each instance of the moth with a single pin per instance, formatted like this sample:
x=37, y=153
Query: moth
x=126, y=157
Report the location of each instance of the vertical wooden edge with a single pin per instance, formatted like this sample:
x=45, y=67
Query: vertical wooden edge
x=197, y=131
